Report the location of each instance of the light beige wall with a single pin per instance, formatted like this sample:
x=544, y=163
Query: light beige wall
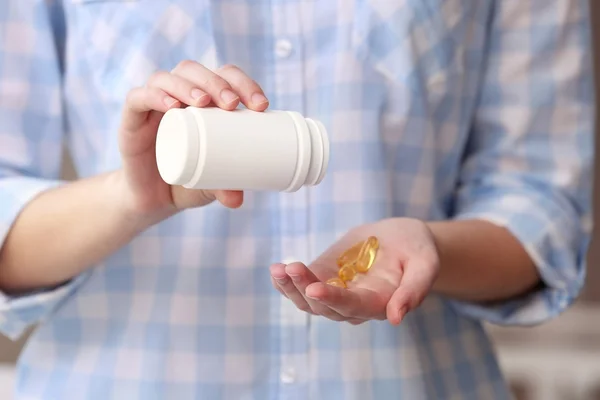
x=9, y=351
x=592, y=290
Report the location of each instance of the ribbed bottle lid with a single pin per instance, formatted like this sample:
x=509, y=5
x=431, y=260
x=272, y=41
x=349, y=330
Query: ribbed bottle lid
x=320, y=152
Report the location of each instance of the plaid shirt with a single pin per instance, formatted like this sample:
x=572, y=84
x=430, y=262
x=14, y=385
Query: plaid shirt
x=436, y=109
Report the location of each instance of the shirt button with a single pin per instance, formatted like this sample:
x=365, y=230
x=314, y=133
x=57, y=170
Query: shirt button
x=283, y=48
x=288, y=375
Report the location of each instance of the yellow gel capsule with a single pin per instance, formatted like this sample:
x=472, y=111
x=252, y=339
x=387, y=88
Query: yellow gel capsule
x=350, y=255
x=337, y=282
x=363, y=250
x=366, y=262
x=347, y=273
x=367, y=254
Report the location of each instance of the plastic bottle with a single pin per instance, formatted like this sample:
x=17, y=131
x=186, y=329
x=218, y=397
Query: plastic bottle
x=210, y=148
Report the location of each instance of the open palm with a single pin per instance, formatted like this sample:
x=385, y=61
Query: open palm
x=401, y=276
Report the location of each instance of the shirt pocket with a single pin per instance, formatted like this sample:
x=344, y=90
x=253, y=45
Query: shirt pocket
x=118, y=44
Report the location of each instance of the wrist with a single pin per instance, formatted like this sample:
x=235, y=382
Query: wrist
x=480, y=261
x=139, y=214
x=436, y=228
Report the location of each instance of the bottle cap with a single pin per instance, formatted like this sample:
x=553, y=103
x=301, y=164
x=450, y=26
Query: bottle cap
x=177, y=147
x=320, y=152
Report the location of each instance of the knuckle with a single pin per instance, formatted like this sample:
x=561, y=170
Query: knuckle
x=184, y=64
x=229, y=67
x=155, y=77
x=284, y=284
x=215, y=81
x=133, y=97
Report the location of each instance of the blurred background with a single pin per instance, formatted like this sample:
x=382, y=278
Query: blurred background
x=559, y=360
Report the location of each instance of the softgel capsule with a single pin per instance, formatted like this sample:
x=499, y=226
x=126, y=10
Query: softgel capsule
x=357, y=259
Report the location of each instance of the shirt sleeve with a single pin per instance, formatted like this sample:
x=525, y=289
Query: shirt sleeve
x=31, y=133
x=528, y=166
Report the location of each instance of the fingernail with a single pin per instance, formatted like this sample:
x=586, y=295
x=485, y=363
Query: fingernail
x=281, y=281
x=295, y=278
x=228, y=96
x=196, y=94
x=258, y=99
x=169, y=101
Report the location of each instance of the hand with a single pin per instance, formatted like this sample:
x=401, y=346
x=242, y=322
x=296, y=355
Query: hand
x=406, y=265
x=191, y=84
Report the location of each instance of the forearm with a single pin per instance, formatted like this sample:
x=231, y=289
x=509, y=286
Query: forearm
x=481, y=262
x=64, y=231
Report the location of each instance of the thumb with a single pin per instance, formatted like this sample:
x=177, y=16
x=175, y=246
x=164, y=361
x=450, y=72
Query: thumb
x=184, y=198
x=416, y=282
x=229, y=198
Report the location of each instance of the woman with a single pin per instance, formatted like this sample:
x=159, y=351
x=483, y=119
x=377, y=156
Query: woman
x=461, y=137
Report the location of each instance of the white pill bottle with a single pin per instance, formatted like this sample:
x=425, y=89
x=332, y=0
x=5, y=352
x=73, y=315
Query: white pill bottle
x=210, y=148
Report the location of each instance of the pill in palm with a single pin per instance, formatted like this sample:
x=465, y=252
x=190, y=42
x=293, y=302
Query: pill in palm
x=367, y=255
x=357, y=259
x=347, y=273
x=337, y=282
x=350, y=255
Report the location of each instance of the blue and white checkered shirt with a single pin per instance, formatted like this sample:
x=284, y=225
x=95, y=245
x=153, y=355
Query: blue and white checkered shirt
x=436, y=109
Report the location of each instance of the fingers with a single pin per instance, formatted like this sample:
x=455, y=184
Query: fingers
x=215, y=86
x=283, y=284
x=301, y=278
x=287, y=287
x=140, y=101
x=250, y=92
x=414, y=286
x=184, y=198
x=227, y=86
x=192, y=84
x=180, y=88
x=356, y=303
x=230, y=198
x=162, y=92
x=276, y=286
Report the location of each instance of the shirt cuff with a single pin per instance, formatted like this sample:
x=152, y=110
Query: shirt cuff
x=17, y=313
x=555, y=239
